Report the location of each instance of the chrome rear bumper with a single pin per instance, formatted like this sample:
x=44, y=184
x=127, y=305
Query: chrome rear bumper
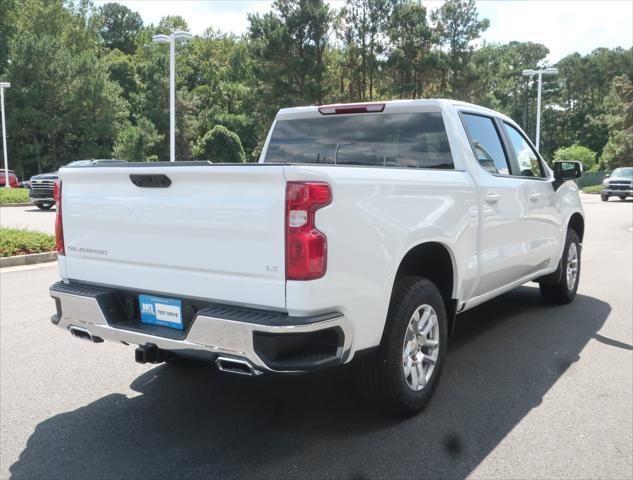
x=216, y=330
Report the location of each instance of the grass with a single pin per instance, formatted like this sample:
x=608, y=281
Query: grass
x=14, y=195
x=592, y=189
x=14, y=241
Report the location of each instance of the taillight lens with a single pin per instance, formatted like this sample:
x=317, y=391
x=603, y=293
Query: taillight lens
x=306, y=247
x=59, y=231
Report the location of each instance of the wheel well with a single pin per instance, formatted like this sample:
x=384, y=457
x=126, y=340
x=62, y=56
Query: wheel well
x=433, y=261
x=577, y=223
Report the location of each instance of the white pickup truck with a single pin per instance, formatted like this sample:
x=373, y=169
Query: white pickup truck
x=361, y=233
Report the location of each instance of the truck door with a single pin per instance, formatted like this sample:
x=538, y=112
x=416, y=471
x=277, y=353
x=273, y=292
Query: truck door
x=504, y=239
x=538, y=197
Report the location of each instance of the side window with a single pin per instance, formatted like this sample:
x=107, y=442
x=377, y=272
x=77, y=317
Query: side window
x=529, y=164
x=486, y=144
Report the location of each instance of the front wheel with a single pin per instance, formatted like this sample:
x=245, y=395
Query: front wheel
x=604, y=198
x=564, y=290
x=44, y=206
x=401, y=376
x=622, y=197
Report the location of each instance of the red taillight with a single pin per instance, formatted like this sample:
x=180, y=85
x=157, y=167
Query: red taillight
x=59, y=231
x=352, y=108
x=306, y=247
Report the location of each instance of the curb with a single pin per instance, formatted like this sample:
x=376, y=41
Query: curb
x=30, y=259
x=17, y=204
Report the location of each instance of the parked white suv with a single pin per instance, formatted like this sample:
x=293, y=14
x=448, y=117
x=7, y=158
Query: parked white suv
x=362, y=232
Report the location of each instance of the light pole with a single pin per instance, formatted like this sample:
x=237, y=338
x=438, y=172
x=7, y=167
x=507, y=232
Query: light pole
x=171, y=39
x=540, y=73
x=4, y=85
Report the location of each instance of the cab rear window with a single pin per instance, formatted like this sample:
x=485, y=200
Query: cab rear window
x=415, y=140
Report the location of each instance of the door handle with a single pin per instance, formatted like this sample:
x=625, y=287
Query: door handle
x=493, y=197
x=535, y=196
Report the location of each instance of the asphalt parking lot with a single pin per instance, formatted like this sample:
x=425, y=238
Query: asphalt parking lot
x=29, y=217
x=528, y=391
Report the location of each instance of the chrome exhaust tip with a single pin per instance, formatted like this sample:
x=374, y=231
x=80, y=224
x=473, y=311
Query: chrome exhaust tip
x=236, y=365
x=84, y=334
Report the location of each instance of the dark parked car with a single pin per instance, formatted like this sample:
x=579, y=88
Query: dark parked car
x=618, y=184
x=41, y=189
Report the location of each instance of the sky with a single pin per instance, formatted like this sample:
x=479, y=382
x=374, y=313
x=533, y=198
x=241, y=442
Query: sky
x=564, y=26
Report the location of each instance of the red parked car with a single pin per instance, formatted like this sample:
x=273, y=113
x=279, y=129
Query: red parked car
x=13, y=178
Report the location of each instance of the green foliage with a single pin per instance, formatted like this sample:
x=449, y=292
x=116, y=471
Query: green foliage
x=576, y=153
x=618, y=119
x=288, y=46
x=62, y=106
x=220, y=145
x=457, y=27
x=7, y=8
x=15, y=241
x=89, y=82
x=135, y=142
x=592, y=189
x=119, y=26
x=14, y=195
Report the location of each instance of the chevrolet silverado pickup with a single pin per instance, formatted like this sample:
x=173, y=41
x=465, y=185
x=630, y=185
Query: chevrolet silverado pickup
x=618, y=184
x=360, y=235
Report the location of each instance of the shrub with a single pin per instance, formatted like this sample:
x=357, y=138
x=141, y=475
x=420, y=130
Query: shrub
x=14, y=195
x=577, y=153
x=14, y=241
x=220, y=145
x=592, y=189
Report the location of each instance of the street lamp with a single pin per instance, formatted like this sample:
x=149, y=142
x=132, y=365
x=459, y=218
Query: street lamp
x=171, y=39
x=4, y=85
x=540, y=73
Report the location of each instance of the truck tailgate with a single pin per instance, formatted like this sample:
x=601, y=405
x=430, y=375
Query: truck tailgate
x=216, y=233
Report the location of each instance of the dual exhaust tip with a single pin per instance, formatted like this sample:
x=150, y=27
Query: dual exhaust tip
x=150, y=353
x=84, y=334
x=239, y=366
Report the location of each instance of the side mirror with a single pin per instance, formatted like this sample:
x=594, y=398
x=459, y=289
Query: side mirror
x=564, y=171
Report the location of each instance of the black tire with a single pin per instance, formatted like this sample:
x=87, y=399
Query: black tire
x=622, y=197
x=604, y=198
x=560, y=292
x=380, y=376
x=44, y=206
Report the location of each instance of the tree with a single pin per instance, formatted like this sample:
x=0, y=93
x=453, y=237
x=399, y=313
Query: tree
x=586, y=81
x=63, y=105
x=618, y=118
x=364, y=25
x=135, y=142
x=171, y=24
x=6, y=31
x=576, y=153
x=410, y=62
x=119, y=26
x=220, y=145
x=287, y=46
x=457, y=26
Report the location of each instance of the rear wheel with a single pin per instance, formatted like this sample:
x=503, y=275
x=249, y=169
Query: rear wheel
x=401, y=376
x=44, y=206
x=604, y=198
x=564, y=290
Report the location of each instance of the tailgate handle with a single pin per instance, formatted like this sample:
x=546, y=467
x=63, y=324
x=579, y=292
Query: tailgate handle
x=151, y=180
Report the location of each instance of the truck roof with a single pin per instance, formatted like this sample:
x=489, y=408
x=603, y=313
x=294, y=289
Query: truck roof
x=401, y=106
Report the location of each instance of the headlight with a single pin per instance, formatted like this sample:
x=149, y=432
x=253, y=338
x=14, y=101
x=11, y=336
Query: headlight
x=605, y=183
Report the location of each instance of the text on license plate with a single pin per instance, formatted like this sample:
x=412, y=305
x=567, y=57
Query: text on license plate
x=166, y=312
